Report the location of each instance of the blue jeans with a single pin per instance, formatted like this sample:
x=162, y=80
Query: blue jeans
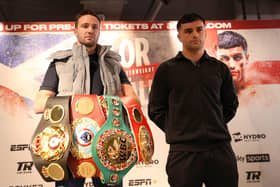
x=79, y=182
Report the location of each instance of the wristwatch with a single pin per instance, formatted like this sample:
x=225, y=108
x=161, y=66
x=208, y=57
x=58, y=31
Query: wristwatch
x=115, y=152
x=51, y=141
x=140, y=128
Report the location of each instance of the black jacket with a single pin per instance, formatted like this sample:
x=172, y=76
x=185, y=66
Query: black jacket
x=192, y=104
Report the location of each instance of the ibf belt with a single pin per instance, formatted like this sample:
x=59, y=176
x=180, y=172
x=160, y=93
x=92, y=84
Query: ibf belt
x=140, y=129
x=87, y=118
x=51, y=141
x=115, y=152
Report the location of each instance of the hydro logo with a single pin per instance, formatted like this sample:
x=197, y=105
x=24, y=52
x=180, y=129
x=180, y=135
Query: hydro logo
x=257, y=158
x=237, y=137
x=248, y=137
x=253, y=176
x=24, y=167
x=152, y=162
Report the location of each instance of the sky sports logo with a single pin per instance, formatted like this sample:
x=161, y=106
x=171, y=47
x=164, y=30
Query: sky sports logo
x=238, y=137
x=250, y=158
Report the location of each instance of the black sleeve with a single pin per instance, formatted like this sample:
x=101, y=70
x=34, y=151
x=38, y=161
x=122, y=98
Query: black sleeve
x=229, y=96
x=158, y=98
x=50, y=81
x=123, y=77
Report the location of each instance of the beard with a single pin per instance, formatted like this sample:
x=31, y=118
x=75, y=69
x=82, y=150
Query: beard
x=194, y=47
x=89, y=44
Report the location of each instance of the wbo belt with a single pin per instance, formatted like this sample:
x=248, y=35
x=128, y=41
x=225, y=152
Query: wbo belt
x=140, y=129
x=116, y=151
x=87, y=118
x=51, y=140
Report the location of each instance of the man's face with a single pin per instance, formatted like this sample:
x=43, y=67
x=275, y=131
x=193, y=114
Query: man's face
x=192, y=35
x=235, y=58
x=88, y=30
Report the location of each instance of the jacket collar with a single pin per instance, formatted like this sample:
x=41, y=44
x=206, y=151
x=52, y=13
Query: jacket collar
x=180, y=56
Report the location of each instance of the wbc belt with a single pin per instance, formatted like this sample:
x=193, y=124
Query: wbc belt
x=51, y=140
x=115, y=152
x=140, y=129
x=87, y=118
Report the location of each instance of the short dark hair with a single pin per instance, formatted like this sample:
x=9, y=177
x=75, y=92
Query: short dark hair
x=231, y=39
x=83, y=13
x=187, y=18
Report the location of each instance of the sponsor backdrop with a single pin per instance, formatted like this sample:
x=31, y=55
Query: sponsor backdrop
x=24, y=48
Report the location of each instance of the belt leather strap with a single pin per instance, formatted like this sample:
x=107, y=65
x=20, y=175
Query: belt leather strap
x=51, y=140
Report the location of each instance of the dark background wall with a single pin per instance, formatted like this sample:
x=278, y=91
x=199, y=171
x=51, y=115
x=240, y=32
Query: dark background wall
x=129, y=10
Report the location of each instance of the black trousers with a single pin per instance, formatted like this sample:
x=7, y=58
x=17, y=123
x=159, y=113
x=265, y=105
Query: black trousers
x=215, y=168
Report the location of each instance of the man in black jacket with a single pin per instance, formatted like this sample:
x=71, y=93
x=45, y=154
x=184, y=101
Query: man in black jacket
x=192, y=98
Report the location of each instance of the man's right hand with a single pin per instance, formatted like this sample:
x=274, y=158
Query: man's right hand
x=41, y=99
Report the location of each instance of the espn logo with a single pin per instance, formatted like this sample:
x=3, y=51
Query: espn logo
x=20, y=147
x=139, y=182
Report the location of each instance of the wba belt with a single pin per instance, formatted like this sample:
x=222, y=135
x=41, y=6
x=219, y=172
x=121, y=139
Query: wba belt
x=115, y=152
x=51, y=140
x=140, y=129
x=87, y=118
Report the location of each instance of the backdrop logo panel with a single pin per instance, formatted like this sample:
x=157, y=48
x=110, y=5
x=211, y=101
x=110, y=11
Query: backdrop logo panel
x=24, y=49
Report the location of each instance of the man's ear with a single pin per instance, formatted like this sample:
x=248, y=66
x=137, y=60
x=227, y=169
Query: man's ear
x=179, y=37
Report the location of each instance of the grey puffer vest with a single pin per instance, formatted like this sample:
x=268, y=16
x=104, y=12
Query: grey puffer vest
x=74, y=74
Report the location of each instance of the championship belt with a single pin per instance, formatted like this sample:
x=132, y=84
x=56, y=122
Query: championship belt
x=87, y=118
x=115, y=152
x=140, y=129
x=51, y=141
